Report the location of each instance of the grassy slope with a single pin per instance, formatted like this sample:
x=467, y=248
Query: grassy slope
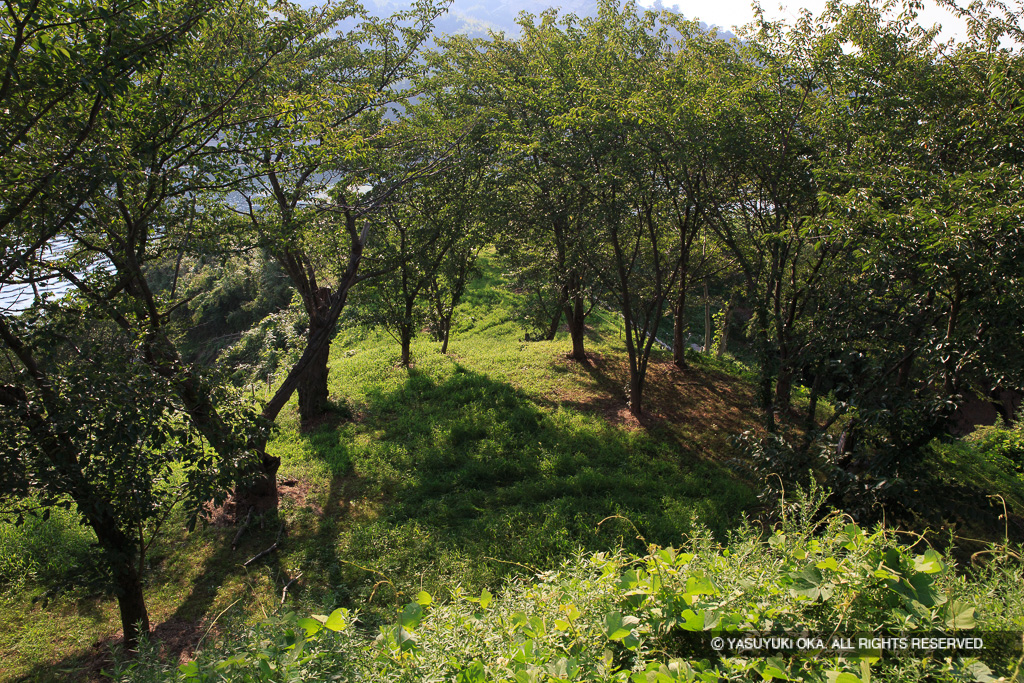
x=501, y=457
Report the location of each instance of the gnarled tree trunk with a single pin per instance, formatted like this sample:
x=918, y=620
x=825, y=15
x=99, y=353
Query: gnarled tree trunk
x=312, y=388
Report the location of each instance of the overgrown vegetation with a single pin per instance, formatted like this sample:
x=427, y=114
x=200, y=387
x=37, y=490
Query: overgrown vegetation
x=652, y=617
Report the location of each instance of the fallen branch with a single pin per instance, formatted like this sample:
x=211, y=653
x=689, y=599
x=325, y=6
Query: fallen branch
x=284, y=593
x=241, y=530
x=267, y=551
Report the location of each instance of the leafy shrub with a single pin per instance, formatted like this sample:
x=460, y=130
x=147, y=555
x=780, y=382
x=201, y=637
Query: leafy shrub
x=47, y=551
x=274, y=342
x=1001, y=445
x=620, y=617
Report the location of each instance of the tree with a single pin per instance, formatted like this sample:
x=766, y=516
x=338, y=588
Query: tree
x=429, y=231
x=771, y=222
x=305, y=201
x=105, y=414
x=64, y=67
x=689, y=118
x=539, y=203
x=447, y=286
x=929, y=196
x=641, y=257
x=90, y=425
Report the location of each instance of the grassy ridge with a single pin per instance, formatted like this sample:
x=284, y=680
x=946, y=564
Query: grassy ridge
x=497, y=456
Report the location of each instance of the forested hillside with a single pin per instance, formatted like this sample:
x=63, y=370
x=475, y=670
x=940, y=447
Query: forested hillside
x=308, y=310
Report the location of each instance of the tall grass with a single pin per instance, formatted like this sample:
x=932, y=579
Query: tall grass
x=49, y=552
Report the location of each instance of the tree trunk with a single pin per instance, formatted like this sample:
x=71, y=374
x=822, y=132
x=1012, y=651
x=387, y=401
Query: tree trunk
x=707, y=320
x=312, y=387
x=447, y=331
x=636, y=389
x=406, y=334
x=783, y=388
x=679, y=341
x=636, y=393
x=575, y=315
x=553, y=328
x=122, y=556
x=406, y=330
x=131, y=602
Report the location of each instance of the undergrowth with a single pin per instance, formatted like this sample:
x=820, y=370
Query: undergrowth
x=651, y=618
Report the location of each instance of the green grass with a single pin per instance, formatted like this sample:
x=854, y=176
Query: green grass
x=609, y=616
x=497, y=460
x=488, y=460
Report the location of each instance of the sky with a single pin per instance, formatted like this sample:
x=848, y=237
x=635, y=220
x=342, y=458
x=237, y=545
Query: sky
x=727, y=14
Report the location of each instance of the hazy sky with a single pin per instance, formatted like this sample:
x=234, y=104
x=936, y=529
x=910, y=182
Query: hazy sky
x=729, y=13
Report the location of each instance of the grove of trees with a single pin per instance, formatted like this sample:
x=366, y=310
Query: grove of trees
x=851, y=186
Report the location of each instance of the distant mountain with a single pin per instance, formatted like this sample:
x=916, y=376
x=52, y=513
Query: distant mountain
x=477, y=17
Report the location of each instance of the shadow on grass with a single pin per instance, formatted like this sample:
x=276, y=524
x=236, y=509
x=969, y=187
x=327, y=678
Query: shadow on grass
x=469, y=480
x=177, y=630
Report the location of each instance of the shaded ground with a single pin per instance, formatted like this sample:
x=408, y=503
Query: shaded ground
x=702, y=406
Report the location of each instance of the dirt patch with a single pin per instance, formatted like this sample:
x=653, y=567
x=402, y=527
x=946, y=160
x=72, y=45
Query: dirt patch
x=688, y=401
x=174, y=639
x=233, y=511
x=297, y=491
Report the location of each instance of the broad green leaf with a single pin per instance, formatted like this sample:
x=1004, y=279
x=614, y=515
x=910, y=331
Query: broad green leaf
x=959, y=616
x=312, y=626
x=614, y=628
x=336, y=622
x=411, y=616
x=474, y=673
x=842, y=677
x=929, y=563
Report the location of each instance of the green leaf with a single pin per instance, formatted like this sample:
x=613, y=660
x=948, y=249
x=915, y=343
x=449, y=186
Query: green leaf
x=312, y=626
x=336, y=621
x=841, y=677
x=929, y=563
x=828, y=563
x=629, y=580
x=474, y=673
x=485, y=599
x=411, y=616
x=692, y=621
x=979, y=672
x=613, y=628
x=959, y=616
x=700, y=586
